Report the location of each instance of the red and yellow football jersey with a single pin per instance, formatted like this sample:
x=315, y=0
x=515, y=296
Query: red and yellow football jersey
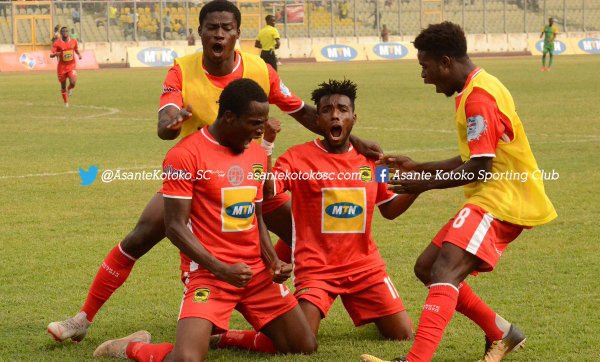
x=66, y=53
x=224, y=190
x=279, y=94
x=332, y=218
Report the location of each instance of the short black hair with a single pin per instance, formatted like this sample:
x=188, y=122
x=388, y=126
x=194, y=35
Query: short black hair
x=269, y=17
x=64, y=27
x=219, y=6
x=238, y=94
x=442, y=39
x=344, y=87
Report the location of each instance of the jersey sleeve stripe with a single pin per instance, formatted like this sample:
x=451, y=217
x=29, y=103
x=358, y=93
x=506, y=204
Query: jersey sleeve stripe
x=296, y=110
x=169, y=104
x=177, y=197
x=388, y=200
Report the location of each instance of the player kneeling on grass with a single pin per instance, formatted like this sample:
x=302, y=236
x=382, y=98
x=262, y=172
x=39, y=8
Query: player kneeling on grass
x=333, y=252
x=227, y=259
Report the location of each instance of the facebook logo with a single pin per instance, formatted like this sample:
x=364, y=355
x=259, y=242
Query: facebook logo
x=382, y=174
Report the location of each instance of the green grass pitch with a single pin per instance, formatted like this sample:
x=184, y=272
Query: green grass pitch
x=55, y=233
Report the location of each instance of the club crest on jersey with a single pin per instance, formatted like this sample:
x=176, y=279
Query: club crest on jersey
x=475, y=127
x=366, y=174
x=238, y=208
x=284, y=89
x=344, y=210
x=258, y=170
x=201, y=295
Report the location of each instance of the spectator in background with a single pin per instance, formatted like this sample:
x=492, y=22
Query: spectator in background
x=343, y=10
x=56, y=34
x=191, y=39
x=75, y=16
x=167, y=27
x=180, y=28
x=112, y=15
x=73, y=34
x=385, y=34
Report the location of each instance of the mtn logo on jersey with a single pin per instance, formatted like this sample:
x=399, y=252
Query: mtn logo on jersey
x=240, y=210
x=344, y=210
x=366, y=174
x=237, y=212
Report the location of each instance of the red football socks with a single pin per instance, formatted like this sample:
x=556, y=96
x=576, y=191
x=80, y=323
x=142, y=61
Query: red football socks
x=146, y=352
x=65, y=96
x=112, y=274
x=71, y=86
x=284, y=252
x=437, y=312
x=476, y=310
x=248, y=340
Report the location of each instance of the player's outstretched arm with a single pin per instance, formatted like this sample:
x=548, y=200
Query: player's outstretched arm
x=280, y=271
x=177, y=213
x=307, y=116
x=170, y=121
x=477, y=167
x=397, y=206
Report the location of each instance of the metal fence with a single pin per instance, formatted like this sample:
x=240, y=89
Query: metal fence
x=22, y=22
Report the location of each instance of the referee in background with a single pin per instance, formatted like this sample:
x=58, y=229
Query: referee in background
x=268, y=40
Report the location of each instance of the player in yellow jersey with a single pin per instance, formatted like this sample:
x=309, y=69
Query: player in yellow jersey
x=189, y=102
x=267, y=41
x=493, y=147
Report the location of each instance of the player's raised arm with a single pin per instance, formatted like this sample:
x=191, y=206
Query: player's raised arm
x=397, y=206
x=177, y=213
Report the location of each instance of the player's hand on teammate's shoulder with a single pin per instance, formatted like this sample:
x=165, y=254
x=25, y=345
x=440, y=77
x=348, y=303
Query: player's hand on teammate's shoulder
x=238, y=274
x=398, y=162
x=181, y=116
x=408, y=186
x=281, y=271
x=367, y=148
x=272, y=128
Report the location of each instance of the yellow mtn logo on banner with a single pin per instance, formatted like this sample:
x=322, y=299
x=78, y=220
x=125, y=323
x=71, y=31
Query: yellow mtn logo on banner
x=344, y=210
x=237, y=212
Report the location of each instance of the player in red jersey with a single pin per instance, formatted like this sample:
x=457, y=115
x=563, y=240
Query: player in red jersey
x=65, y=49
x=219, y=30
x=333, y=251
x=216, y=221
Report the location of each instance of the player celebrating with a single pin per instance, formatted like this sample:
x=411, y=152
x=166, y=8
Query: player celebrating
x=188, y=103
x=226, y=254
x=549, y=33
x=65, y=49
x=491, y=139
x=334, y=253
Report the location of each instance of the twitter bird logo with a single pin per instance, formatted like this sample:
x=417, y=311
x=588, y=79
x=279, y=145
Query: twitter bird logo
x=88, y=177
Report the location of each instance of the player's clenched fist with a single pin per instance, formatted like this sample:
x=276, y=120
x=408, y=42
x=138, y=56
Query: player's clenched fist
x=238, y=274
x=280, y=271
x=272, y=128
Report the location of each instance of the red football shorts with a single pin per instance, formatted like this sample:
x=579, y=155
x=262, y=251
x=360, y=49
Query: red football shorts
x=275, y=203
x=366, y=296
x=66, y=73
x=475, y=230
x=260, y=301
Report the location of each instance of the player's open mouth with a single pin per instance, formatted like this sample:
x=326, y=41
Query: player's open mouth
x=335, y=131
x=218, y=48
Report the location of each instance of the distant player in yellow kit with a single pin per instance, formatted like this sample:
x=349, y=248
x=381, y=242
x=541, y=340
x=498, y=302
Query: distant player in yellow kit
x=491, y=139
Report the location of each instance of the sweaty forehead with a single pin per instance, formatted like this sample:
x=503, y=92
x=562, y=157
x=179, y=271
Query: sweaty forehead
x=219, y=17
